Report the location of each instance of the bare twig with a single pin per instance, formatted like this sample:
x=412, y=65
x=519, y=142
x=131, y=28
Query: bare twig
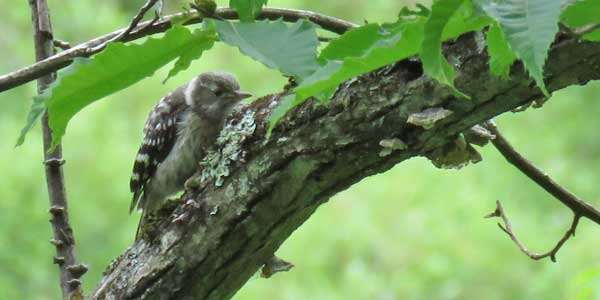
x=586, y=29
x=507, y=228
x=134, y=23
x=577, y=33
x=70, y=270
x=578, y=206
x=63, y=59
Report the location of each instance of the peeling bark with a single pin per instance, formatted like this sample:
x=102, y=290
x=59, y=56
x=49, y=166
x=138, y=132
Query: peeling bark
x=253, y=194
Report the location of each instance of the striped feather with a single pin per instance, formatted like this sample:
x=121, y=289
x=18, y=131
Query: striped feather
x=160, y=133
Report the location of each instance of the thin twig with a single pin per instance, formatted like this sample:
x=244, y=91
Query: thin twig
x=577, y=33
x=134, y=23
x=578, y=206
x=586, y=29
x=70, y=269
x=507, y=228
x=63, y=59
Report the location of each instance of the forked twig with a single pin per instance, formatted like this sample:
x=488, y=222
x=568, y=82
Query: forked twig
x=507, y=228
x=134, y=23
x=63, y=59
x=579, y=207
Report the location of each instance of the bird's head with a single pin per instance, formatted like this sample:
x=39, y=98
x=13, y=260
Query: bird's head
x=214, y=94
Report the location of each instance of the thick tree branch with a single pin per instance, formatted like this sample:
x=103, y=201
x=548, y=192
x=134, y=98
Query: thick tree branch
x=63, y=59
x=253, y=194
x=70, y=270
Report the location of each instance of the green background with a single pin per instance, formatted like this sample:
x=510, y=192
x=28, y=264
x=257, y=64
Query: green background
x=414, y=232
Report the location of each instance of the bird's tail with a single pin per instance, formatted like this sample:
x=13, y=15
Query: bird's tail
x=138, y=231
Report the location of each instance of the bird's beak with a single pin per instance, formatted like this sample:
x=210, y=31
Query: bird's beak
x=242, y=95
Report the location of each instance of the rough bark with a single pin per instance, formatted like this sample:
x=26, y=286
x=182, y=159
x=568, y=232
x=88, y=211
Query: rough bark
x=253, y=194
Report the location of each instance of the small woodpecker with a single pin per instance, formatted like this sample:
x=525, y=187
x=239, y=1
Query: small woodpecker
x=178, y=132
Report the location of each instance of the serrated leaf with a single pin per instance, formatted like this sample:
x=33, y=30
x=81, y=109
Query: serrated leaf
x=191, y=52
x=117, y=67
x=582, y=13
x=247, y=10
x=346, y=45
x=393, y=42
x=434, y=62
x=501, y=56
x=407, y=13
x=289, y=48
x=465, y=19
x=530, y=27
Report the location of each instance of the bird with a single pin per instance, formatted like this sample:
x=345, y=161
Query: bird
x=179, y=130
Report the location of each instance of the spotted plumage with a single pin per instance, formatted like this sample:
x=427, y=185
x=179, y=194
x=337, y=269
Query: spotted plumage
x=179, y=130
x=160, y=132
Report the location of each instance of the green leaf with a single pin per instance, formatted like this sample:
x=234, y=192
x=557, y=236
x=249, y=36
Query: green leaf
x=393, y=42
x=434, y=62
x=247, y=10
x=529, y=27
x=501, y=56
x=408, y=14
x=291, y=49
x=583, y=13
x=192, y=51
x=465, y=19
x=36, y=110
x=117, y=67
x=349, y=44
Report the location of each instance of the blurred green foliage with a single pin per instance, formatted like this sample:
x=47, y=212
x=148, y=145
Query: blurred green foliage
x=414, y=232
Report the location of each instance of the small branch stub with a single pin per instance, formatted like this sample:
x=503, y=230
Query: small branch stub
x=58, y=260
x=78, y=270
x=61, y=44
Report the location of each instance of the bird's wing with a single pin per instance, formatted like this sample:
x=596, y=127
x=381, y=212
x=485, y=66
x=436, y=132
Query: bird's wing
x=160, y=133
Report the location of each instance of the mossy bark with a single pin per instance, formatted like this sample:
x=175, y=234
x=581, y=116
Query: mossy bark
x=238, y=216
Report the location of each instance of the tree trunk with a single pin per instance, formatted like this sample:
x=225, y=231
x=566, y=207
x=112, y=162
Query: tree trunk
x=250, y=196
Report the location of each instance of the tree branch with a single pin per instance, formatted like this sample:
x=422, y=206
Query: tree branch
x=507, y=228
x=253, y=194
x=70, y=270
x=134, y=23
x=578, y=206
x=64, y=58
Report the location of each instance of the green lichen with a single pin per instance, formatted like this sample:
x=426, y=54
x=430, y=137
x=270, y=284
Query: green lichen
x=216, y=164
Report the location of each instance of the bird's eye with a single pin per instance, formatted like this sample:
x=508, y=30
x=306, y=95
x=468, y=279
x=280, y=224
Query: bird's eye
x=219, y=93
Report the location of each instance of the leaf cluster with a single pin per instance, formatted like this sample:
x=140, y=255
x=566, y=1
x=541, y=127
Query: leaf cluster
x=516, y=30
